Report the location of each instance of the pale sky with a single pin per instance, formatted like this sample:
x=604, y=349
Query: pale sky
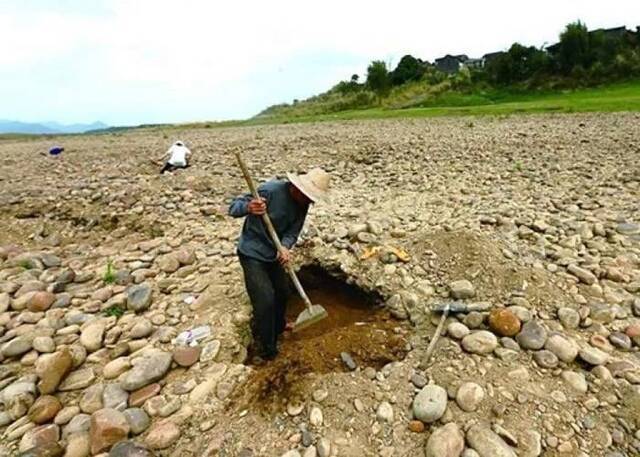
x=127, y=62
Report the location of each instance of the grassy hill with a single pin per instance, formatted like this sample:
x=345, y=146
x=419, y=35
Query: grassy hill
x=608, y=98
x=596, y=70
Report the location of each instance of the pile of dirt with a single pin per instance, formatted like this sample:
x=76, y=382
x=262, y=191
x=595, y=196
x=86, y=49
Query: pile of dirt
x=481, y=259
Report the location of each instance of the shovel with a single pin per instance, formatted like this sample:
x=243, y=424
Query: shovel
x=313, y=313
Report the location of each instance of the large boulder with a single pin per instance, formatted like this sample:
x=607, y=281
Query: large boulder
x=469, y=396
x=41, y=301
x=40, y=438
x=108, y=426
x=44, y=409
x=92, y=335
x=480, y=342
x=139, y=297
x=79, y=379
x=504, y=322
x=150, y=369
x=18, y=346
x=430, y=403
x=447, y=441
x=51, y=369
x=162, y=435
x=533, y=336
x=462, y=289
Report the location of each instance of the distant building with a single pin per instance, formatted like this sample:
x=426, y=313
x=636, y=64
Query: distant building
x=475, y=63
x=451, y=64
x=613, y=33
x=491, y=56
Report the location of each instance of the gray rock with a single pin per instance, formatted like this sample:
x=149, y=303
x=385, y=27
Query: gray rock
x=583, y=275
x=533, y=336
x=509, y=343
x=531, y=443
x=384, y=413
x=620, y=340
x=66, y=277
x=508, y=355
x=576, y=381
x=418, y=380
x=79, y=379
x=92, y=335
x=628, y=228
x=115, y=397
x=138, y=420
x=150, y=369
x=91, y=400
x=545, y=358
x=139, y=297
x=44, y=344
x=457, y=330
x=80, y=423
x=565, y=349
x=469, y=396
x=447, y=441
x=474, y=319
x=462, y=289
x=521, y=313
x=210, y=351
x=50, y=260
x=430, y=404
x=569, y=317
x=17, y=346
x=141, y=329
x=480, y=342
x=487, y=443
x=324, y=447
x=348, y=360
x=593, y=356
x=123, y=277
x=18, y=388
x=66, y=414
x=600, y=312
x=129, y=449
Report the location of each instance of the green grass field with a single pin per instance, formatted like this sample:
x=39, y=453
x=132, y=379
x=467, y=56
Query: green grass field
x=613, y=98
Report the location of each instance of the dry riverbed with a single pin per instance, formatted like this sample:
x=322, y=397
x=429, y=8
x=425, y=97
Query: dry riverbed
x=103, y=262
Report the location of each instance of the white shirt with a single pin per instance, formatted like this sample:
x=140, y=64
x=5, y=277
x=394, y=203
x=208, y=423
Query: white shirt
x=178, y=155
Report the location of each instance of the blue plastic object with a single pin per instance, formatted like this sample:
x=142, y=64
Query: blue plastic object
x=54, y=151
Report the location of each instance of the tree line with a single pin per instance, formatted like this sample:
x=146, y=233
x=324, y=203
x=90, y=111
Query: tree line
x=579, y=58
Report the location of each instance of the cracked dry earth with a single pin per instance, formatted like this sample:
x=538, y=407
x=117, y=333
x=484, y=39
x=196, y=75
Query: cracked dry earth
x=537, y=217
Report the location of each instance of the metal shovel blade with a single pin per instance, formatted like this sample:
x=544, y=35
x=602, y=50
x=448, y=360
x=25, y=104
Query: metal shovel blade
x=309, y=316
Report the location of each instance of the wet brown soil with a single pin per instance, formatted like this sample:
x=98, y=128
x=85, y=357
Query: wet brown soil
x=356, y=325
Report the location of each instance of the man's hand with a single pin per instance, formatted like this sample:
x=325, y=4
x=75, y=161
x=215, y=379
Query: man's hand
x=284, y=256
x=257, y=206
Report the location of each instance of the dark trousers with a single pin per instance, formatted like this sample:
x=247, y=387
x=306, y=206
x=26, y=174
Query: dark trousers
x=169, y=167
x=268, y=291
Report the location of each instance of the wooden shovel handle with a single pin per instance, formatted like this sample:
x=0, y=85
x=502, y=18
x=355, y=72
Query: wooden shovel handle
x=271, y=229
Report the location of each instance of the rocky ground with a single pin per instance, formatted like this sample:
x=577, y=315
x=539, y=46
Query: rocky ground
x=103, y=262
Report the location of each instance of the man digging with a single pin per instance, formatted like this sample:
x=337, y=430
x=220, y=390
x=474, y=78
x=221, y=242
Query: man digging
x=287, y=203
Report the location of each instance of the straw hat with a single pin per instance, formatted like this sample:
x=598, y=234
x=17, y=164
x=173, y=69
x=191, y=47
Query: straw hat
x=314, y=184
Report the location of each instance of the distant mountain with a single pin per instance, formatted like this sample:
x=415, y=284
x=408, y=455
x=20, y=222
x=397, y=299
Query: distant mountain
x=7, y=126
x=75, y=128
x=23, y=127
